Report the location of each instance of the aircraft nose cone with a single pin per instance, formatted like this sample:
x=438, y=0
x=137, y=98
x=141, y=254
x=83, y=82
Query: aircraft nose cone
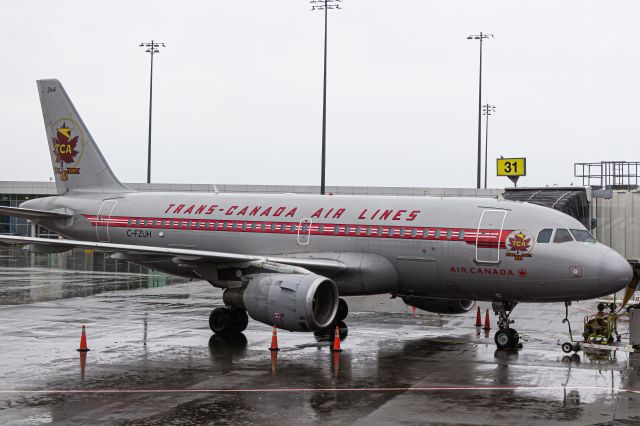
x=615, y=272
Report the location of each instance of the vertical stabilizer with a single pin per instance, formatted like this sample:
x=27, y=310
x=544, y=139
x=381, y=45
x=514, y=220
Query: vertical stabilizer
x=78, y=164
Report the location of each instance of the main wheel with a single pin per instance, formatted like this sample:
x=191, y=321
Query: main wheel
x=221, y=320
x=343, y=310
x=240, y=320
x=514, y=335
x=504, y=339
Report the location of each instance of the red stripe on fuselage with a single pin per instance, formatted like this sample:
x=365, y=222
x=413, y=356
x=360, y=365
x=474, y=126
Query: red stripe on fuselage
x=488, y=237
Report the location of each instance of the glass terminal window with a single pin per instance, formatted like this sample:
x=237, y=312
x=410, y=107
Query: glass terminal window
x=562, y=236
x=583, y=236
x=544, y=236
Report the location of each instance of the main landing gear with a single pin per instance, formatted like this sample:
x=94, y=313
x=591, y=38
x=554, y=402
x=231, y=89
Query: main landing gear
x=228, y=320
x=506, y=337
x=343, y=310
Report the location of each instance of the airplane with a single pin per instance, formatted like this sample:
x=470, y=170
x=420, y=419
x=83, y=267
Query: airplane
x=289, y=260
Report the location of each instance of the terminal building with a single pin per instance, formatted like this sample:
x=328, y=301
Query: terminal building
x=608, y=203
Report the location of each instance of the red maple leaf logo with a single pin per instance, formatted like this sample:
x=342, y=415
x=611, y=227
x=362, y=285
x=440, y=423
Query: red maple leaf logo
x=519, y=243
x=63, y=146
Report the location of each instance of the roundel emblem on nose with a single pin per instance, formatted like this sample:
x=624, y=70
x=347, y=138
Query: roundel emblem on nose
x=575, y=271
x=522, y=273
x=519, y=244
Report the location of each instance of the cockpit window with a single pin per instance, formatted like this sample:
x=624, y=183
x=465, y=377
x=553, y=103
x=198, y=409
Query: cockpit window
x=545, y=235
x=562, y=236
x=583, y=236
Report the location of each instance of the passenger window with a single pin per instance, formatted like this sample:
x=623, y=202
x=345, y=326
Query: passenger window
x=437, y=235
x=461, y=234
x=414, y=232
x=562, y=236
x=449, y=234
x=544, y=236
x=425, y=233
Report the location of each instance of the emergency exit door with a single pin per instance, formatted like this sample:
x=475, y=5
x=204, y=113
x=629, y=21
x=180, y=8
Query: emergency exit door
x=304, y=231
x=489, y=236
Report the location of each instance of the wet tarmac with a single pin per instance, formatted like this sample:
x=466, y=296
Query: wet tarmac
x=154, y=361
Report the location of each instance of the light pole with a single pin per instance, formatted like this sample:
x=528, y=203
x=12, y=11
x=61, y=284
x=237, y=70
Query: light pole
x=486, y=110
x=324, y=5
x=481, y=37
x=152, y=49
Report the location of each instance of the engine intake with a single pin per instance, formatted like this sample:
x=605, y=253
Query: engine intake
x=294, y=302
x=440, y=306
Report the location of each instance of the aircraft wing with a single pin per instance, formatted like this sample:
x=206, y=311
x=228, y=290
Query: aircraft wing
x=34, y=214
x=150, y=253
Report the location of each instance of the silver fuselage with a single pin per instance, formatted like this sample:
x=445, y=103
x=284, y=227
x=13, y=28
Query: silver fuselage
x=462, y=248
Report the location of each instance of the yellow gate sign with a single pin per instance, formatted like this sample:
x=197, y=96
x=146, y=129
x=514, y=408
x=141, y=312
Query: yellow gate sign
x=512, y=166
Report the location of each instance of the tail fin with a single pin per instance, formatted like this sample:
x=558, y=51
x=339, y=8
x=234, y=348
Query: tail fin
x=78, y=164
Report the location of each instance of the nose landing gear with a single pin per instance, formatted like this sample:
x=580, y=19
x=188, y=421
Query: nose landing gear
x=228, y=320
x=505, y=337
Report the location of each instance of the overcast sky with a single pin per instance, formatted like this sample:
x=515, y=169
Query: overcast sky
x=238, y=89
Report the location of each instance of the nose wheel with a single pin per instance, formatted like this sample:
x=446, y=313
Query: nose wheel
x=505, y=337
x=227, y=320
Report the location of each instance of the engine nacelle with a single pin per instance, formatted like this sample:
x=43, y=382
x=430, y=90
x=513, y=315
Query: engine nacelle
x=295, y=302
x=440, y=306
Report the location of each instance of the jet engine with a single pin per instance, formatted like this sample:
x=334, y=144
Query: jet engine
x=440, y=306
x=294, y=302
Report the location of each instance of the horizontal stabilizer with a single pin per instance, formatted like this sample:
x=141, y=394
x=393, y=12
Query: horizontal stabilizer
x=33, y=214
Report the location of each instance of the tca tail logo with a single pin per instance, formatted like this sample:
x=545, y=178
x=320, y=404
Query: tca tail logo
x=67, y=145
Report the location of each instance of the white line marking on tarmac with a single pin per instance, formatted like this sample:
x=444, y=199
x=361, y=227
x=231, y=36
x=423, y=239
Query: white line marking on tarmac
x=285, y=390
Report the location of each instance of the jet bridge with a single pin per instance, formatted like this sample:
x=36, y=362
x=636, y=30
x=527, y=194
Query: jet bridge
x=573, y=201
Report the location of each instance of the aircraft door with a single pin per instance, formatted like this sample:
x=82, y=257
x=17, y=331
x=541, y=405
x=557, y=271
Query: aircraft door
x=489, y=235
x=102, y=220
x=304, y=231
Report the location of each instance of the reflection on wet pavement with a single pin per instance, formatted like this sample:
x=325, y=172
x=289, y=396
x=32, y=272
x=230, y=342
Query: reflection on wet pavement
x=29, y=278
x=153, y=361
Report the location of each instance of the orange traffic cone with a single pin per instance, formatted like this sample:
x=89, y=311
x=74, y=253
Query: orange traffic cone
x=487, y=321
x=336, y=341
x=478, y=317
x=83, y=341
x=274, y=340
